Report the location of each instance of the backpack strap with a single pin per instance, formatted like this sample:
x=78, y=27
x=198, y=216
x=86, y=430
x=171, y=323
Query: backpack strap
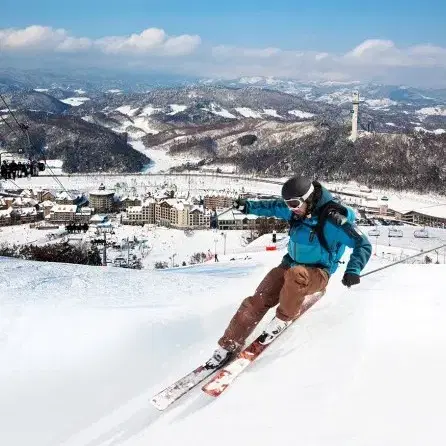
x=329, y=209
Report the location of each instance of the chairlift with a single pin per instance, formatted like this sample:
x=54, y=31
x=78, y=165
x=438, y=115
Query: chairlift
x=421, y=233
x=393, y=232
x=374, y=232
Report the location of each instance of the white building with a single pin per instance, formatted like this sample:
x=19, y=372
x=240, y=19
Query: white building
x=63, y=213
x=230, y=219
x=172, y=212
x=199, y=217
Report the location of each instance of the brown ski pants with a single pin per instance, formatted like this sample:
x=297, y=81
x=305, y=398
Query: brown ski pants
x=284, y=286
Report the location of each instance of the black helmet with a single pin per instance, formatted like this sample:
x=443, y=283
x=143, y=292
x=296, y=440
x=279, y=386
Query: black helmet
x=297, y=187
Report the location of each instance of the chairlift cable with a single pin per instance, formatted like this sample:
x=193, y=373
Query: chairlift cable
x=402, y=260
x=9, y=125
x=24, y=129
x=14, y=183
x=21, y=126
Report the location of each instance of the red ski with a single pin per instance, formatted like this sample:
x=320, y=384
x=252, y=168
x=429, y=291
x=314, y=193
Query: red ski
x=224, y=378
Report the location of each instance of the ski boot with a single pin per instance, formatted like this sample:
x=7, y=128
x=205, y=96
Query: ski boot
x=220, y=357
x=272, y=330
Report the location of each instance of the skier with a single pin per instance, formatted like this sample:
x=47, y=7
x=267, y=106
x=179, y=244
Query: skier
x=320, y=230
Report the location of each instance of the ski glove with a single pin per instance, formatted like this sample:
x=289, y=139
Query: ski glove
x=350, y=279
x=239, y=204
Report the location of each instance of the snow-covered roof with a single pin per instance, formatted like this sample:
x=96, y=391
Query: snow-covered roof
x=180, y=205
x=26, y=211
x=432, y=211
x=234, y=214
x=6, y=212
x=26, y=193
x=201, y=209
x=24, y=201
x=149, y=201
x=47, y=204
x=129, y=197
x=103, y=192
x=98, y=218
x=405, y=205
x=64, y=208
x=64, y=196
x=50, y=191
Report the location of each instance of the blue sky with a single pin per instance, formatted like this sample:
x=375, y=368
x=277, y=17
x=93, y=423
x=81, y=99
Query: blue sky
x=384, y=40
x=326, y=25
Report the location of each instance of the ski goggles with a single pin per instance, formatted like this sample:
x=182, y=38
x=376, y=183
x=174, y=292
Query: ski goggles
x=298, y=202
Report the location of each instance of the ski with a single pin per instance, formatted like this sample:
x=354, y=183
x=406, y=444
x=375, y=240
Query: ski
x=224, y=378
x=175, y=391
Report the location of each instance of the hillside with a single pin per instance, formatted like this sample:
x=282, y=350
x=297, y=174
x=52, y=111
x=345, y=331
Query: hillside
x=82, y=146
x=256, y=125
x=415, y=161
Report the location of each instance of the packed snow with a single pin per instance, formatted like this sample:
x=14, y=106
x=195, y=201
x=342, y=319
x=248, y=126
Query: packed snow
x=75, y=101
x=127, y=110
x=432, y=111
x=301, y=114
x=161, y=160
x=248, y=112
x=176, y=108
x=84, y=348
x=149, y=110
x=380, y=103
x=271, y=112
x=435, y=132
x=220, y=111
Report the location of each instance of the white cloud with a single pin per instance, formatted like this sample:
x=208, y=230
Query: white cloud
x=152, y=41
x=224, y=51
x=371, y=47
x=31, y=38
x=373, y=59
x=72, y=44
x=385, y=52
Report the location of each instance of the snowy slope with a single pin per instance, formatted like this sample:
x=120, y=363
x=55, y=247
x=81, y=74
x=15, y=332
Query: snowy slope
x=84, y=348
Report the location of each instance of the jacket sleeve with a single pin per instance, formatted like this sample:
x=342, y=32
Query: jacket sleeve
x=268, y=208
x=354, y=238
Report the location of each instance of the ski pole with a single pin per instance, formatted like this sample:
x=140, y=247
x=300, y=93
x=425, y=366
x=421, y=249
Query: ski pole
x=402, y=260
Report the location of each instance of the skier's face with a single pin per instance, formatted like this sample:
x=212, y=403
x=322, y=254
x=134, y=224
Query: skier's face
x=300, y=211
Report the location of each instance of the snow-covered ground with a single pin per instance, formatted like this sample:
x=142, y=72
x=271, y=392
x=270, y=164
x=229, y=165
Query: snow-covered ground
x=75, y=101
x=84, y=348
x=432, y=111
x=176, y=108
x=301, y=114
x=161, y=160
x=211, y=183
x=248, y=112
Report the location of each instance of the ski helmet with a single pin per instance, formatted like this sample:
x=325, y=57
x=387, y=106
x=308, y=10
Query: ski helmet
x=297, y=187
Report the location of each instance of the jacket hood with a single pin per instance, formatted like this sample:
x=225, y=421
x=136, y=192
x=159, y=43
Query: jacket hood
x=326, y=196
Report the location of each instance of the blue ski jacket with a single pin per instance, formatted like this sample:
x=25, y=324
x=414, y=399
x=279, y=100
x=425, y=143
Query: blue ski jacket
x=305, y=248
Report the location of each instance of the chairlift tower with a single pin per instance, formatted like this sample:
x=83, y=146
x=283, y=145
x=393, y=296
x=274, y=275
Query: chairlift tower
x=355, y=114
